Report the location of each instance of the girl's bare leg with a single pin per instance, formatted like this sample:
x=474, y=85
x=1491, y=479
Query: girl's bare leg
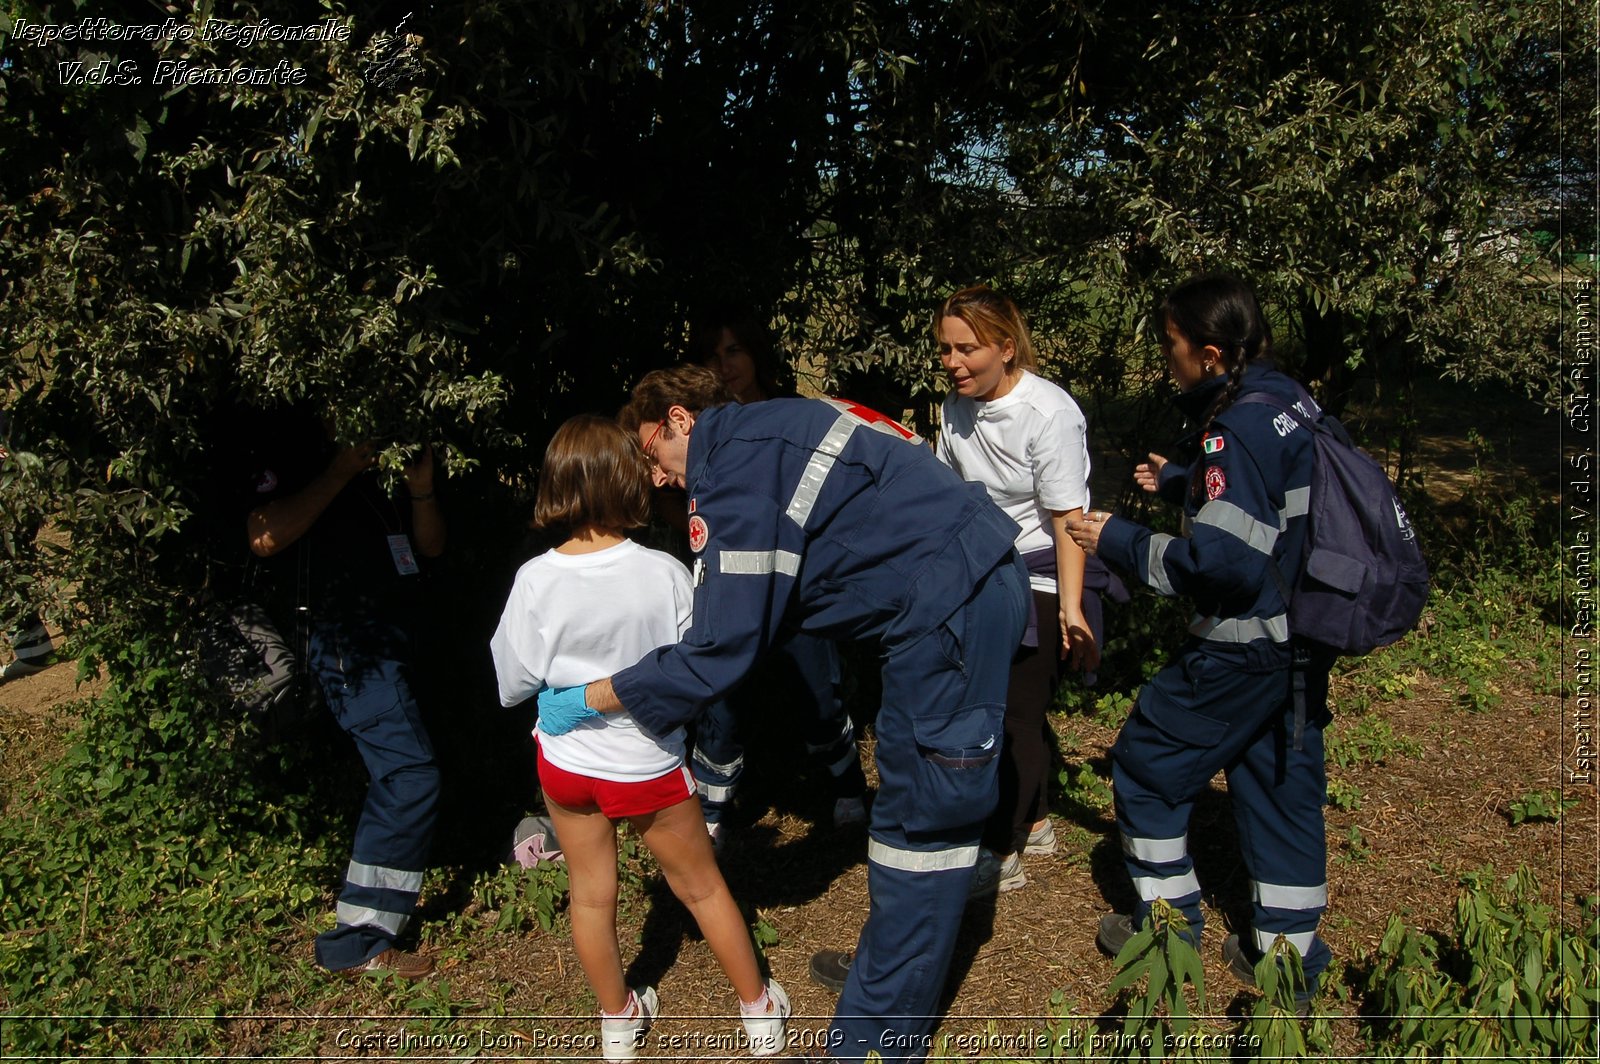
x=589, y=841
x=677, y=836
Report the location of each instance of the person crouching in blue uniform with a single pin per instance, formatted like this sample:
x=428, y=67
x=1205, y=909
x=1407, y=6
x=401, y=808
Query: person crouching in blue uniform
x=1227, y=701
x=814, y=515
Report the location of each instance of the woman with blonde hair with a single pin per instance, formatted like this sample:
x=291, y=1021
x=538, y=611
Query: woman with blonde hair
x=1025, y=440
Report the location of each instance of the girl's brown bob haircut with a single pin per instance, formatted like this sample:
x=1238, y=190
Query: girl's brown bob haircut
x=594, y=474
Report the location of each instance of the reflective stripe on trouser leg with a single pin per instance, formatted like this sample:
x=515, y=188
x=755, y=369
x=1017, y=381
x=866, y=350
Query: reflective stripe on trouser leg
x=718, y=759
x=939, y=735
x=1278, y=794
x=375, y=707
x=31, y=642
x=1155, y=844
x=1195, y=718
x=900, y=963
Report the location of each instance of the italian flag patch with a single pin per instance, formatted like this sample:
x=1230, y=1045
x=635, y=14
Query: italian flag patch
x=1212, y=444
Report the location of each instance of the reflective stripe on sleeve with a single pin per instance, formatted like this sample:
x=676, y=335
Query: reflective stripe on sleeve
x=759, y=562
x=1169, y=887
x=1155, y=566
x=1156, y=851
x=1301, y=940
x=356, y=916
x=1241, y=629
x=1296, y=503
x=1229, y=518
x=366, y=875
x=1278, y=896
x=818, y=468
x=881, y=853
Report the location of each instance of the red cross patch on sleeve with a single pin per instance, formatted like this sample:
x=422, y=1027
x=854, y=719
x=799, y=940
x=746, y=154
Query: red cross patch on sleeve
x=698, y=533
x=1216, y=482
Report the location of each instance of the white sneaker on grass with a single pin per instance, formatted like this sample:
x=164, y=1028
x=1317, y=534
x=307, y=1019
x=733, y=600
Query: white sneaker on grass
x=621, y=1037
x=1042, y=839
x=765, y=1030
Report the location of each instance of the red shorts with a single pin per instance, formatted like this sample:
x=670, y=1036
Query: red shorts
x=582, y=793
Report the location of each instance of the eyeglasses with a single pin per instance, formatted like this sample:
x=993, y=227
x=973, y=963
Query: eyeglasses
x=649, y=453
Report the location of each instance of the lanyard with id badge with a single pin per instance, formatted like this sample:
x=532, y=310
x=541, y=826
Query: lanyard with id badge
x=405, y=559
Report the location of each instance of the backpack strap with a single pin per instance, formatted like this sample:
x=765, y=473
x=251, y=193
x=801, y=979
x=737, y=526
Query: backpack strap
x=1300, y=655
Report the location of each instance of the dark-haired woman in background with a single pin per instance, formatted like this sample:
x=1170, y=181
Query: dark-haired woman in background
x=1238, y=696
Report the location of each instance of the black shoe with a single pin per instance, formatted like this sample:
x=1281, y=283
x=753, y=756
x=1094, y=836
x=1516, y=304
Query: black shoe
x=1115, y=931
x=1242, y=968
x=831, y=967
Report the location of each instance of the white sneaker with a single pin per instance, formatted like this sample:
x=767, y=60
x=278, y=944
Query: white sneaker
x=765, y=1031
x=1042, y=840
x=847, y=811
x=997, y=873
x=620, y=1039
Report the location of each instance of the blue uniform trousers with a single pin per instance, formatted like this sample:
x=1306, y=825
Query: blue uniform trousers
x=939, y=737
x=362, y=669
x=1199, y=716
x=718, y=759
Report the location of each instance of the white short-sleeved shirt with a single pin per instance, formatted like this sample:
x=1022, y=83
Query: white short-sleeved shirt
x=576, y=618
x=1029, y=449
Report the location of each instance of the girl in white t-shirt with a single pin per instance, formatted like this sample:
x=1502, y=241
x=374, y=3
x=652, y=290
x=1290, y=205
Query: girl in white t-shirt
x=1025, y=440
x=583, y=611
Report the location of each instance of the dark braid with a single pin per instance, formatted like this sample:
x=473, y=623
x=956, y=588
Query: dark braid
x=1222, y=312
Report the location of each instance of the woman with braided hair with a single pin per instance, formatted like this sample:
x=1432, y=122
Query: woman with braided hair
x=1239, y=696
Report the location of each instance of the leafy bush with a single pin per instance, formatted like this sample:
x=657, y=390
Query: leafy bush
x=1512, y=983
x=156, y=868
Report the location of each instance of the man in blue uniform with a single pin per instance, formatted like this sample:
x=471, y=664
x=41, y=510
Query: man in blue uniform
x=817, y=516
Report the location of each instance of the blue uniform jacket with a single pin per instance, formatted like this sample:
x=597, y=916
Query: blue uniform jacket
x=803, y=512
x=1244, y=508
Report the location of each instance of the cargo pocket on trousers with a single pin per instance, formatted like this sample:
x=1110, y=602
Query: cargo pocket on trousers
x=957, y=758
x=1170, y=750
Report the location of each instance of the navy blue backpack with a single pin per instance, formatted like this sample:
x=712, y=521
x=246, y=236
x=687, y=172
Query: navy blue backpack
x=1364, y=582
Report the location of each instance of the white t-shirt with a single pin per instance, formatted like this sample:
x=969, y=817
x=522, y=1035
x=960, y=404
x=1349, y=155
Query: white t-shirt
x=1029, y=449
x=576, y=618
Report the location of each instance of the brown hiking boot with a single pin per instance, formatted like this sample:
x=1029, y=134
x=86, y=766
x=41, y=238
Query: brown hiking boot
x=403, y=965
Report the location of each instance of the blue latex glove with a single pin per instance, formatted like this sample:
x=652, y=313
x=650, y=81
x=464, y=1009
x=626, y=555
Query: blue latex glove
x=562, y=708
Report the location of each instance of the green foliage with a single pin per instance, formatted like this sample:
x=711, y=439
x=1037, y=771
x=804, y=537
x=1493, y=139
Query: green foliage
x=1540, y=805
x=1273, y=1020
x=1368, y=740
x=1356, y=848
x=155, y=869
x=1344, y=795
x=1161, y=955
x=764, y=935
x=518, y=899
x=1512, y=983
x=1085, y=788
x=1470, y=634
